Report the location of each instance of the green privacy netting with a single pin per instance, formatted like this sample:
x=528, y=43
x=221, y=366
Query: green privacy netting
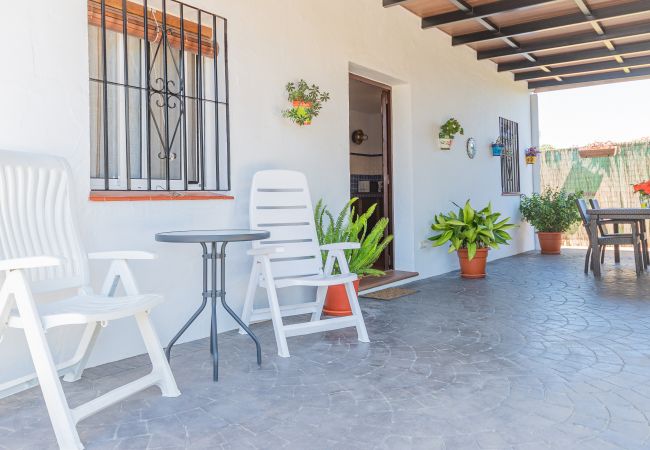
x=609, y=179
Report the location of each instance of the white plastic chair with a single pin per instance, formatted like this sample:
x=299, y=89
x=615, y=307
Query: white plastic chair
x=291, y=256
x=40, y=252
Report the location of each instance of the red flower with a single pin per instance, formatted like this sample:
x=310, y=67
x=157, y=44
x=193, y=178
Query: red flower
x=643, y=187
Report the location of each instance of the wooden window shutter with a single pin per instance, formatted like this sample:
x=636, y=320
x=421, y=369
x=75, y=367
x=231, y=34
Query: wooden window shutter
x=135, y=25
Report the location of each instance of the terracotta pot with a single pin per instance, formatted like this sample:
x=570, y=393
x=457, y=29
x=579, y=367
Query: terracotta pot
x=302, y=106
x=531, y=159
x=550, y=243
x=445, y=143
x=474, y=268
x=336, y=300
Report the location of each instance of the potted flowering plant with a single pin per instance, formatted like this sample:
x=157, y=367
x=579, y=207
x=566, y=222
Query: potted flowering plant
x=497, y=147
x=306, y=102
x=643, y=190
x=447, y=133
x=531, y=155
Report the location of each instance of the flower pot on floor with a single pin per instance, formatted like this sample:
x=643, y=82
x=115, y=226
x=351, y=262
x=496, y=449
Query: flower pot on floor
x=550, y=243
x=336, y=300
x=474, y=268
x=446, y=143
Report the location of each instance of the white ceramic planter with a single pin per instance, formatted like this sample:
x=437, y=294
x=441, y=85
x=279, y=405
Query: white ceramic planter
x=445, y=143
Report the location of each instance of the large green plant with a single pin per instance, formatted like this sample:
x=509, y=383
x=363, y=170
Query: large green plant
x=351, y=227
x=470, y=229
x=552, y=211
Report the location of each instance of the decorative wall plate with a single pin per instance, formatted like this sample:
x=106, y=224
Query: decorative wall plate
x=471, y=148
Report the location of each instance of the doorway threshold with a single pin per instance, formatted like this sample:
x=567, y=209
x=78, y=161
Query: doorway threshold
x=391, y=276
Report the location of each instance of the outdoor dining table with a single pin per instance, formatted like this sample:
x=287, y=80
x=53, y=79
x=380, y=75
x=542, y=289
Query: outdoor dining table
x=597, y=215
x=211, y=289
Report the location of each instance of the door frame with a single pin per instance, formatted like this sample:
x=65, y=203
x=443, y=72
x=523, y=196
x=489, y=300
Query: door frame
x=387, y=160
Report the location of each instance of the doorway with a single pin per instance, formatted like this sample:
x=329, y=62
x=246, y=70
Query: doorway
x=370, y=155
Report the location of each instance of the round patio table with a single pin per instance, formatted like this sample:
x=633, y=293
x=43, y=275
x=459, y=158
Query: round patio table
x=212, y=290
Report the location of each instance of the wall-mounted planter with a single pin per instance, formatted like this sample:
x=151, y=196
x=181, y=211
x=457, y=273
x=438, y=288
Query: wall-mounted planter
x=301, y=109
x=598, y=152
x=497, y=150
x=446, y=143
x=531, y=159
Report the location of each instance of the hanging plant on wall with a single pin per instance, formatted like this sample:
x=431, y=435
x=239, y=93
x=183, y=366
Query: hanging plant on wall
x=306, y=102
x=447, y=133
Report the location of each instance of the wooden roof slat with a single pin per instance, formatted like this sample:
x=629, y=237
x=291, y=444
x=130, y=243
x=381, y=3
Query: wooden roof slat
x=569, y=40
x=591, y=78
x=584, y=68
x=480, y=12
x=554, y=22
x=583, y=55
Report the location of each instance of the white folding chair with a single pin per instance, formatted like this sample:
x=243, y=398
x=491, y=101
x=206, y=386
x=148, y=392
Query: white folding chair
x=40, y=252
x=291, y=256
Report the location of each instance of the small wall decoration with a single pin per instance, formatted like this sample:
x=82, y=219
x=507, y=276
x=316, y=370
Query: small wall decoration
x=471, y=148
x=531, y=155
x=306, y=102
x=447, y=133
x=358, y=136
x=497, y=147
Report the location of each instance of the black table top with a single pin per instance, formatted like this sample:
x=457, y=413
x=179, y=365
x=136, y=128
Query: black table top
x=199, y=236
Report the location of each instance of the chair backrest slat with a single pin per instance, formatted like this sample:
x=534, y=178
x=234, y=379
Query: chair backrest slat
x=36, y=218
x=281, y=204
x=584, y=213
x=595, y=204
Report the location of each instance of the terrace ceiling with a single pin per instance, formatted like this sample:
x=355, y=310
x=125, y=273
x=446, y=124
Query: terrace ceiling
x=550, y=44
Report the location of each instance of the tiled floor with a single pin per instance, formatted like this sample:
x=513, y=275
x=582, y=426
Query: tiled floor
x=536, y=356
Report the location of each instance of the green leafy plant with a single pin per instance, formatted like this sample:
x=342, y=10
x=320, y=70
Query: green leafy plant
x=450, y=129
x=552, y=211
x=307, y=102
x=351, y=227
x=470, y=229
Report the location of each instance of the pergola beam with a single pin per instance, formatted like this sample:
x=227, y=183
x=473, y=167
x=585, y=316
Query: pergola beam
x=584, y=68
x=577, y=56
x=610, y=12
x=480, y=12
x=591, y=78
x=389, y=3
x=568, y=41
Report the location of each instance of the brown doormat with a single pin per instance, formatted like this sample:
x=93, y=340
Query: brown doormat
x=390, y=293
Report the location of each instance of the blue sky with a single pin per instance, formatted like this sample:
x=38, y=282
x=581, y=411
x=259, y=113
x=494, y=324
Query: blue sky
x=611, y=112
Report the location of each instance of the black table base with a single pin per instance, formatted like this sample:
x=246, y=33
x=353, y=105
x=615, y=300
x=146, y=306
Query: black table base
x=212, y=292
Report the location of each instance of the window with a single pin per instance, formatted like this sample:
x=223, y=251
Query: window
x=159, y=117
x=509, y=134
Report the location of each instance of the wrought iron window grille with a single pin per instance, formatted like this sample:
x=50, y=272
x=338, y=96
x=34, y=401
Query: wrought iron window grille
x=159, y=97
x=509, y=134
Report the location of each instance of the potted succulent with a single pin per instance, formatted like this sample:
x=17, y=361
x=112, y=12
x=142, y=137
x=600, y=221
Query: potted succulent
x=306, y=102
x=531, y=155
x=350, y=227
x=471, y=234
x=497, y=147
x=552, y=213
x=447, y=133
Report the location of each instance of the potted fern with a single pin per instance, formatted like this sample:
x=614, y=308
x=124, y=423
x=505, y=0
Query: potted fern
x=350, y=227
x=306, y=102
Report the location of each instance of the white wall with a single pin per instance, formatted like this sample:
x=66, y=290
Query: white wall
x=44, y=75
